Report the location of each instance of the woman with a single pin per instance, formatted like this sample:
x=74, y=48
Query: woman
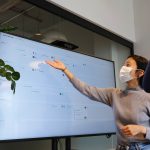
x=131, y=106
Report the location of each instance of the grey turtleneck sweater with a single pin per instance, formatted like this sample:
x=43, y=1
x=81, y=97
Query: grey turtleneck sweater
x=131, y=106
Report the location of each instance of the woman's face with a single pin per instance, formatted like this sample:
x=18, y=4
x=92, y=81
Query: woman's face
x=130, y=62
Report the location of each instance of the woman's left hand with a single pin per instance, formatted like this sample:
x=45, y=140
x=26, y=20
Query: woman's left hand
x=133, y=130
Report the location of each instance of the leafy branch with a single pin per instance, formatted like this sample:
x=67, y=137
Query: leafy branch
x=7, y=29
x=9, y=73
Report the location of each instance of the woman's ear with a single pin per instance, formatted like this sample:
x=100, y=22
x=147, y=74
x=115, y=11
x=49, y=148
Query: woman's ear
x=140, y=73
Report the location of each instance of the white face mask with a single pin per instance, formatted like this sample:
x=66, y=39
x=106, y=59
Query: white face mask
x=125, y=74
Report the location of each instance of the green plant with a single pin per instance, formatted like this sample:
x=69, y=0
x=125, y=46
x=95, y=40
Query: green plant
x=8, y=29
x=9, y=73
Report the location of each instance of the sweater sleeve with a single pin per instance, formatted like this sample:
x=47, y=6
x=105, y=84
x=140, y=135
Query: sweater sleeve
x=147, y=133
x=103, y=95
x=147, y=136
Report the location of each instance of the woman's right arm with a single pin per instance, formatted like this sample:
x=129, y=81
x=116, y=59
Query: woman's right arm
x=94, y=93
x=60, y=66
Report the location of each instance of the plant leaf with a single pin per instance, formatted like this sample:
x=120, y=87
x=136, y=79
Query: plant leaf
x=14, y=90
x=3, y=72
x=12, y=85
x=8, y=76
x=16, y=75
x=2, y=62
x=9, y=68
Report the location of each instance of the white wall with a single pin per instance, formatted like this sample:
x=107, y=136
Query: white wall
x=142, y=27
x=113, y=15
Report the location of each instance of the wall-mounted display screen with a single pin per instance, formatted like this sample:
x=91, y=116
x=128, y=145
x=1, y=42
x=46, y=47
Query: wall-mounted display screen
x=45, y=103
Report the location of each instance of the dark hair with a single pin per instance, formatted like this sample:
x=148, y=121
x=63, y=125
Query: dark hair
x=141, y=63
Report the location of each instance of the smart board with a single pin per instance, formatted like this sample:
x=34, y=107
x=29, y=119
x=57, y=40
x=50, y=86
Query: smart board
x=45, y=103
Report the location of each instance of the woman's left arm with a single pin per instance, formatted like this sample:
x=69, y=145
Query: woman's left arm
x=140, y=130
x=134, y=130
